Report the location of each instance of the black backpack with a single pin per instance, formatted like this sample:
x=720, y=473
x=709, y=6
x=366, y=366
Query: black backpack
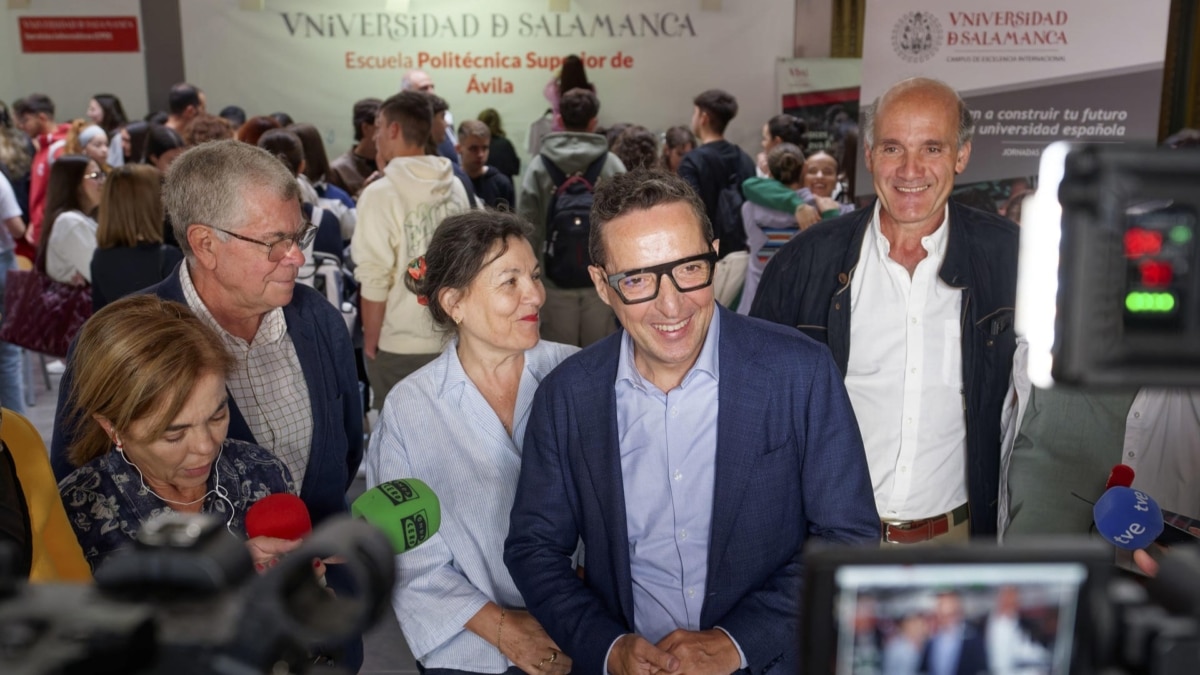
x=568, y=224
x=727, y=220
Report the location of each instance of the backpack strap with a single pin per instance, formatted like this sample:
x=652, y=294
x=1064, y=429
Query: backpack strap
x=591, y=175
x=593, y=171
x=556, y=174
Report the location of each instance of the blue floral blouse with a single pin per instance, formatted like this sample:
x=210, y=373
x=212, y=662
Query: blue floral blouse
x=107, y=502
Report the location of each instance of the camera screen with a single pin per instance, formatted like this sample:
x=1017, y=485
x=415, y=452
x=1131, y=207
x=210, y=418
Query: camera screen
x=1002, y=619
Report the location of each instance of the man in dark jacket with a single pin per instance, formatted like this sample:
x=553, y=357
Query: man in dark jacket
x=710, y=167
x=717, y=164
x=915, y=299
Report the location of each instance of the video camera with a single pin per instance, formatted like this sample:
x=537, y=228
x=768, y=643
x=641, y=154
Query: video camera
x=186, y=600
x=1040, y=607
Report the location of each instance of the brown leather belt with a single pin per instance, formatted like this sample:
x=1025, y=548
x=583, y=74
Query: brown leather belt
x=916, y=531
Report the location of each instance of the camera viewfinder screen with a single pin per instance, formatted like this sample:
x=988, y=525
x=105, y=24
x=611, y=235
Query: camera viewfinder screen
x=1010, y=619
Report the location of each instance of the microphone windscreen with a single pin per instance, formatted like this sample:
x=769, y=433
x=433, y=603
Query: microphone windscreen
x=1120, y=476
x=1128, y=518
x=405, y=509
x=281, y=515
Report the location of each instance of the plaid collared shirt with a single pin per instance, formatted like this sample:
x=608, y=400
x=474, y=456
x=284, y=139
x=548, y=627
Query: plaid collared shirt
x=267, y=384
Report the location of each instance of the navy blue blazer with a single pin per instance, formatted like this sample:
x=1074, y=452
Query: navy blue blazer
x=327, y=359
x=790, y=466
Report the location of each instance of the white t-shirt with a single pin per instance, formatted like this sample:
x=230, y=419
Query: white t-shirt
x=71, y=246
x=8, y=209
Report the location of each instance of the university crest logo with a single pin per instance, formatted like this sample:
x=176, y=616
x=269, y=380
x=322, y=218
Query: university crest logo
x=917, y=36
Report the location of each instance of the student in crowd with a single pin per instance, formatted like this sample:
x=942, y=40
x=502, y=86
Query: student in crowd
x=87, y=139
x=163, y=147
x=397, y=216
x=677, y=142
x=12, y=228
x=130, y=253
x=779, y=129
x=287, y=148
x=69, y=241
x=490, y=185
x=501, y=153
x=35, y=116
x=254, y=128
x=184, y=102
x=572, y=75
x=204, y=128
x=637, y=147
x=350, y=169
x=574, y=316
x=106, y=111
x=318, y=174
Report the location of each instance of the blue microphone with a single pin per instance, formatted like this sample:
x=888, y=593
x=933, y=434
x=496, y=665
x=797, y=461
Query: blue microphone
x=1128, y=518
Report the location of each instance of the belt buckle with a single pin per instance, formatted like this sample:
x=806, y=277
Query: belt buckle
x=887, y=532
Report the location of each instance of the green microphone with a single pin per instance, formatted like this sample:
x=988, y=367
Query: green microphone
x=405, y=509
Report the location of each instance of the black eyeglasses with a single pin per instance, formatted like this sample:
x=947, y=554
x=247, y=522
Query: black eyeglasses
x=97, y=176
x=279, y=248
x=688, y=274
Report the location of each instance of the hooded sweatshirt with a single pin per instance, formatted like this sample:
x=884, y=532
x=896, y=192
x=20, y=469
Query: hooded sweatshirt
x=396, y=219
x=571, y=152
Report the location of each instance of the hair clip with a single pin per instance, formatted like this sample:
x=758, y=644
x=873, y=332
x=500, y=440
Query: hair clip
x=416, y=268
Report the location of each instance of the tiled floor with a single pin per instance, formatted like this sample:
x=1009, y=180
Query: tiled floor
x=386, y=651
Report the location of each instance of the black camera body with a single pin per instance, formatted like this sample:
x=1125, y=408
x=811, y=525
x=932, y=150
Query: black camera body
x=186, y=599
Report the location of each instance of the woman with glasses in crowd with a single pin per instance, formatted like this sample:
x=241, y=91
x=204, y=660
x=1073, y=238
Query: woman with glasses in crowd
x=69, y=240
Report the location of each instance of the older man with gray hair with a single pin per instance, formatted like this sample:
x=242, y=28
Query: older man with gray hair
x=914, y=297
x=294, y=389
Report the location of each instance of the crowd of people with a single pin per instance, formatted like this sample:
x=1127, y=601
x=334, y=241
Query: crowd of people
x=640, y=372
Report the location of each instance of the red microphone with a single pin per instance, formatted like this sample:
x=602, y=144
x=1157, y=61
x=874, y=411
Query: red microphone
x=1120, y=476
x=282, y=515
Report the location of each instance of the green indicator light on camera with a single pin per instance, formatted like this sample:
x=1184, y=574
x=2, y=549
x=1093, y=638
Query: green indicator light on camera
x=1149, y=303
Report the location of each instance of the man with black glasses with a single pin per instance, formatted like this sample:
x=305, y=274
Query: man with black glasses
x=694, y=452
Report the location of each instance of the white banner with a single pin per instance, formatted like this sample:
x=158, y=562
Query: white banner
x=1032, y=72
x=313, y=59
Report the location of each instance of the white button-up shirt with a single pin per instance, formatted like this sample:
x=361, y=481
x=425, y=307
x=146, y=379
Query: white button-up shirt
x=1162, y=445
x=904, y=377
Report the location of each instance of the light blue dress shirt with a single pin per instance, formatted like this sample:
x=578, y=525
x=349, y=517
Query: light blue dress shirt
x=668, y=456
x=437, y=427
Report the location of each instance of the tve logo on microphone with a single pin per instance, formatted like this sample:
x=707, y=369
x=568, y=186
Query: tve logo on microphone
x=1128, y=518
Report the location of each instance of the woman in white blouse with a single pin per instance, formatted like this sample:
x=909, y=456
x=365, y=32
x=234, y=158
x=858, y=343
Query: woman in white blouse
x=458, y=424
x=69, y=238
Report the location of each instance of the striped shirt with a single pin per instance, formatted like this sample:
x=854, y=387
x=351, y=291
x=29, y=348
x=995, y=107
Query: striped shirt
x=267, y=384
x=437, y=427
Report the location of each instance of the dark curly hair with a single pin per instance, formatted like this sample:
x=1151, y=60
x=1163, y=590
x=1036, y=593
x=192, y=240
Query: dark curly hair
x=637, y=148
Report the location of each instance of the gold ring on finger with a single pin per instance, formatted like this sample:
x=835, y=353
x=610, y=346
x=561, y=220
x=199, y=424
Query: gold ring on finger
x=553, y=656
